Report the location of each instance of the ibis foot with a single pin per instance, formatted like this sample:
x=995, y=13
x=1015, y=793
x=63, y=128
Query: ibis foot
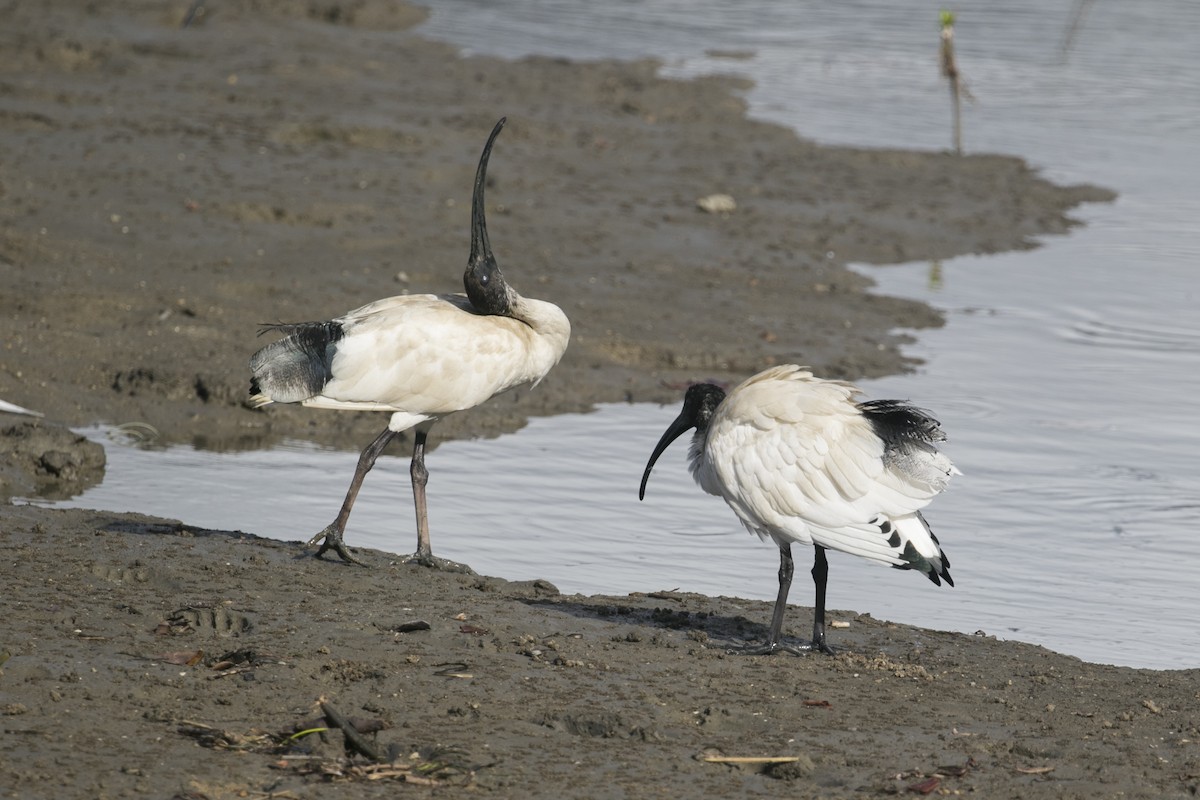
x=771, y=648
x=331, y=539
x=433, y=562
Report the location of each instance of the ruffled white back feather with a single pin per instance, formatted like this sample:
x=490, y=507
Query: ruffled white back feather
x=799, y=461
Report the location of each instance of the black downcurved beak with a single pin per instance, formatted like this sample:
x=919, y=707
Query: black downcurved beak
x=682, y=424
x=481, y=248
x=484, y=282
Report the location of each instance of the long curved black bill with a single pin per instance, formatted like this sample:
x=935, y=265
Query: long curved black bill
x=679, y=427
x=481, y=248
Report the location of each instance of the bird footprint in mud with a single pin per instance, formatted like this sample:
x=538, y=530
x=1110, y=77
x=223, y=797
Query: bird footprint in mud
x=220, y=620
x=112, y=572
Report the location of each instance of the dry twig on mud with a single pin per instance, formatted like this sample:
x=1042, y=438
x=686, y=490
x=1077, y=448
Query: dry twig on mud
x=354, y=740
x=434, y=767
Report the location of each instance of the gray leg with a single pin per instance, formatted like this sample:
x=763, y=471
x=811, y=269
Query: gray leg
x=420, y=478
x=331, y=536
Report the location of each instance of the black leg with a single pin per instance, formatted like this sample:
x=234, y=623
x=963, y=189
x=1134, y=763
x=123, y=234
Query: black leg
x=331, y=536
x=820, y=573
x=773, y=644
x=786, y=568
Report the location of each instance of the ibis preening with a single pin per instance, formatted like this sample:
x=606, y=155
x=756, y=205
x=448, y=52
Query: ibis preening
x=800, y=460
x=419, y=357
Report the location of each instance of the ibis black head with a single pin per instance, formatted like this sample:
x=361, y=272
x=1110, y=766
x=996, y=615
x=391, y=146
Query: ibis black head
x=483, y=280
x=699, y=405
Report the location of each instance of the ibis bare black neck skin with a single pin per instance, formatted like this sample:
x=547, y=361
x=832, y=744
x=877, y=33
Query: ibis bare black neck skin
x=699, y=405
x=483, y=280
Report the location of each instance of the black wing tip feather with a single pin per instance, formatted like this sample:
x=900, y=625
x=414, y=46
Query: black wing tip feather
x=310, y=337
x=936, y=569
x=293, y=327
x=268, y=327
x=297, y=366
x=898, y=421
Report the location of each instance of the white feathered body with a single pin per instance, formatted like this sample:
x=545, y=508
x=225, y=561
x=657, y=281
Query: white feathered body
x=418, y=356
x=798, y=461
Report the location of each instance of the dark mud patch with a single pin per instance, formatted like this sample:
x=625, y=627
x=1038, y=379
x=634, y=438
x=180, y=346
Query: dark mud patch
x=45, y=460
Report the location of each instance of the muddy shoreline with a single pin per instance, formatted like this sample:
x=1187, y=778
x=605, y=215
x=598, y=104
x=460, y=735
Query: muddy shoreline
x=176, y=189
x=169, y=190
x=149, y=658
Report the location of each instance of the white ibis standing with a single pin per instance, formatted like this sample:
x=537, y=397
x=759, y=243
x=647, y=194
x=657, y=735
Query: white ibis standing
x=419, y=357
x=800, y=461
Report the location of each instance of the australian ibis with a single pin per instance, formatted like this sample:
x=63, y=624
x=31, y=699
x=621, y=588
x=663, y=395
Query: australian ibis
x=801, y=460
x=418, y=357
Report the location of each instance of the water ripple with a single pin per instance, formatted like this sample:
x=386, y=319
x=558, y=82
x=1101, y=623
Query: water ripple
x=1093, y=331
x=966, y=408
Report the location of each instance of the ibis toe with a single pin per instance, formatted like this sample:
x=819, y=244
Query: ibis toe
x=331, y=539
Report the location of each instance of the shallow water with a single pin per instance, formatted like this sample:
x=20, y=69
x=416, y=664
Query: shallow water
x=558, y=500
x=1066, y=376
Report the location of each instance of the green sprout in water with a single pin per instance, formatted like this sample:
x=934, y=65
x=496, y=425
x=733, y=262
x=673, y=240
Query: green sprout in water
x=949, y=64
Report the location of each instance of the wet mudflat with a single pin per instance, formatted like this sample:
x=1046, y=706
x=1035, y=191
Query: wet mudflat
x=148, y=658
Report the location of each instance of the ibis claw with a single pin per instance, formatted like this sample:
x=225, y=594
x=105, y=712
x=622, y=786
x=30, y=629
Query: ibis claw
x=771, y=648
x=433, y=562
x=331, y=539
x=821, y=647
